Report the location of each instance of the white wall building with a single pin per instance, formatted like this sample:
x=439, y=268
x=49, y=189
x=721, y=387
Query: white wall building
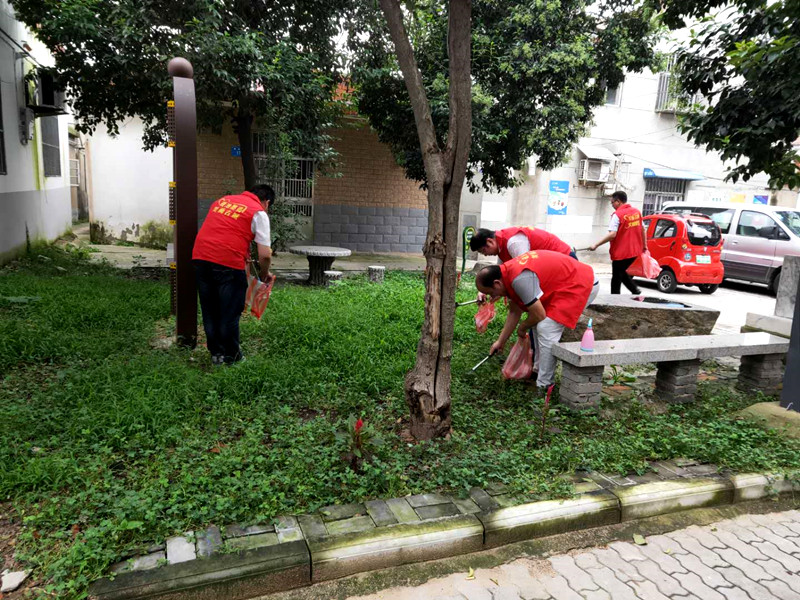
x=34, y=167
x=633, y=145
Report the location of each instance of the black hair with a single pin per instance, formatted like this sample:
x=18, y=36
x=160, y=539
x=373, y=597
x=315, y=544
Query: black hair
x=478, y=240
x=620, y=195
x=264, y=192
x=488, y=275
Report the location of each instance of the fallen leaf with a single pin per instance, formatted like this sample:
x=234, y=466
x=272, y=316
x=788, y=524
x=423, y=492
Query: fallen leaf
x=471, y=574
x=667, y=551
x=494, y=581
x=713, y=529
x=215, y=450
x=639, y=540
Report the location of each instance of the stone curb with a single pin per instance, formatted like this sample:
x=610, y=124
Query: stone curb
x=300, y=551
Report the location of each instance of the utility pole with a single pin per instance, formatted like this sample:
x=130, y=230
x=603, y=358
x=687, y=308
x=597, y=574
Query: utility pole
x=182, y=124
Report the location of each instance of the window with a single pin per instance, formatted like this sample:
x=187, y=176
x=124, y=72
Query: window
x=51, y=150
x=3, y=168
x=703, y=234
x=291, y=178
x=665, y=229
x=790, y=218
x=750, y=222
x=614, y=95
x=669, y=97
x=658, y=191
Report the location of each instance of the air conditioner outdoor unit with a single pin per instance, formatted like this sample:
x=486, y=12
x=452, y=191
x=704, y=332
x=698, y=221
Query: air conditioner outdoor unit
x=595, y=171
x=45, y=99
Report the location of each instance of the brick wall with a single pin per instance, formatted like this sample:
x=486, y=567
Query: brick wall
x=372, y=207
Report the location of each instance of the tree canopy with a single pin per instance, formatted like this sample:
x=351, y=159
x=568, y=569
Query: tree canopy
x=273, y=59
x=538, y=69
x=742, y=59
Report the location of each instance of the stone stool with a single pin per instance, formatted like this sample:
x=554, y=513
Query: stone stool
x=331, y=277
x=376, y=273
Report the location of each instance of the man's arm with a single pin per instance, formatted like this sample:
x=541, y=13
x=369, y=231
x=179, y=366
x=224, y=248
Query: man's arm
x=536, y=313
x=265, y=261
x=644, y=238
x=610, y=236
x=512, y=318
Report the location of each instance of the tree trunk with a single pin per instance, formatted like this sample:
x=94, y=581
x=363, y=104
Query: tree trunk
x=244, y=130
x=427, y=385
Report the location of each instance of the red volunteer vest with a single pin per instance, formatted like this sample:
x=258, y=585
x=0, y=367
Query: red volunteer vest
x=226, y=233
x=538, y=238
x=566, y=283
x=628, y=243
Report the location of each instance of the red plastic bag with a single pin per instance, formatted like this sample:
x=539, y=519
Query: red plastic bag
x=252, y=284
x=261, y=298
x=645, y=266
x=519, y=364
x=484, y=316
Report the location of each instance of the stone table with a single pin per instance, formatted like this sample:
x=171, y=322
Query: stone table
x=320, y=259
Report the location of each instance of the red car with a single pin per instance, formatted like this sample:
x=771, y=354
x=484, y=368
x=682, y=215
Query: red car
x=688, y=249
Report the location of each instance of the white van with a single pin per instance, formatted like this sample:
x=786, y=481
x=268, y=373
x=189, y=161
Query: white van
x=757, y=237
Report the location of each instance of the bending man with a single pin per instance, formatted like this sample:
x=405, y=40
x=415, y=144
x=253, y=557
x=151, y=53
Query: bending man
x=552, y=289
x=220, y=257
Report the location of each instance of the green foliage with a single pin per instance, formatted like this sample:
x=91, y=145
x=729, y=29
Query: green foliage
x=107, y=444
x=272, y=59
x=538, y=70
x=285, y=226
x=155, y=235
x=743, y=62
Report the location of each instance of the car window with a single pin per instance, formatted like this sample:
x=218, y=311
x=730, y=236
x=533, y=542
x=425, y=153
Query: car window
x=750, y=222
x=720, y=216
x=703, y=234
x=665, y=229
x=790, y=218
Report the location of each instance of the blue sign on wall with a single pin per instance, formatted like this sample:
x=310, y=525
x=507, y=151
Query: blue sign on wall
x=236, y=150
x=557, y=199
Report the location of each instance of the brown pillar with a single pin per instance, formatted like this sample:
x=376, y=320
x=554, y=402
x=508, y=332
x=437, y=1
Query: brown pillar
x=185, y=177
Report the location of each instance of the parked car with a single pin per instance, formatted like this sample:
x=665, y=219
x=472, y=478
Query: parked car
x=757, y=237
x=688, y=250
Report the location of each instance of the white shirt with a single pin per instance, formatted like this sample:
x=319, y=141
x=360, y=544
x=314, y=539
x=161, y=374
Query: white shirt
x=260, y=228
x=613, y=224
x=518, y=245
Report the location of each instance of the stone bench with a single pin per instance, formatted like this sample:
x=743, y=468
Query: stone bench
x=678, y=360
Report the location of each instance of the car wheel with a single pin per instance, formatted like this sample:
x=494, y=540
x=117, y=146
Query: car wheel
x=774, y=283
x=708, y=288
x=667, y=282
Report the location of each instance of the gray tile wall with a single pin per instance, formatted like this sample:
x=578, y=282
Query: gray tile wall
x=370, y=228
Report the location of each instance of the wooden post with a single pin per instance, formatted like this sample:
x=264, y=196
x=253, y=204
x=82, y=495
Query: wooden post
x=184, y=165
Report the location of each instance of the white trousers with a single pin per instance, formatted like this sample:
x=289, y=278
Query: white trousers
x=548, y=332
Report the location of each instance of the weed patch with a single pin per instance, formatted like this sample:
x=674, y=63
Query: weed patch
x=107, y=443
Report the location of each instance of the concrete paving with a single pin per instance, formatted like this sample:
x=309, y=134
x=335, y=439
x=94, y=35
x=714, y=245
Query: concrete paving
x=750, y=557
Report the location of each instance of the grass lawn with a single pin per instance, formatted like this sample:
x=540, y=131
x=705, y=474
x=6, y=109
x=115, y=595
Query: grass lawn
x=106, y=442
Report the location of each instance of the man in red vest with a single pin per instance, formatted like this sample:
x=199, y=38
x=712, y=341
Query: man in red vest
x=552, y=288
x=220, y=255
x=628, y=240
x=511, y=242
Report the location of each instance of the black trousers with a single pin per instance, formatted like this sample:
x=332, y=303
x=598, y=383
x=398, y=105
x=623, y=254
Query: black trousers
x=222, y=292
x=619, y=276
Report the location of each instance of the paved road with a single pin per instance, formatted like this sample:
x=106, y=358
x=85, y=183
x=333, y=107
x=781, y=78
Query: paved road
x=753, y=557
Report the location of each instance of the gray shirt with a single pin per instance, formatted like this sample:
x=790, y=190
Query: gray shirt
x=526, y=286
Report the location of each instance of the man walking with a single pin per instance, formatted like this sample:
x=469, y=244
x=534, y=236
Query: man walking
x=628, y=240
x=220, y=255
x=552, y=288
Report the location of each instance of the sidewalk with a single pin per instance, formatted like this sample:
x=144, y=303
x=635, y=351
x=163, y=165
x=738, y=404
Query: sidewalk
x=751, y=557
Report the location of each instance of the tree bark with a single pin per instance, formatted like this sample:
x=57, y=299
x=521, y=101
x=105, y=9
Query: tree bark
x=244, y=131
x=427, y=385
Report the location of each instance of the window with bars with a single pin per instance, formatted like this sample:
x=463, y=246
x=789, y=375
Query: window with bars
x=614, y=95
x=3, y=167
x=669, y=98
x=658, y=191
x=291, y=178
x=51, y=148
